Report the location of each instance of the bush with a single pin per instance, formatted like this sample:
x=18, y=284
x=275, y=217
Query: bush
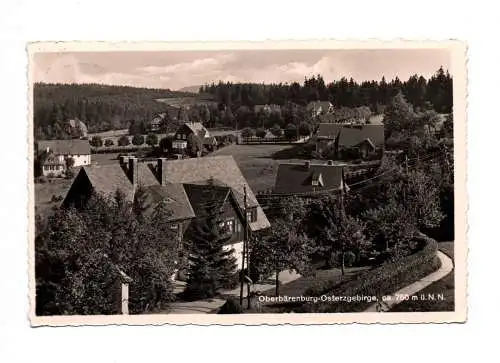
x=231, y=306
x=138, y=140
x=41, y=179
x=96, y=141
x=123, y=141
x=108, y=142
x=382, y=280
x=152, y=139
x=261, y=133
x=247, y=133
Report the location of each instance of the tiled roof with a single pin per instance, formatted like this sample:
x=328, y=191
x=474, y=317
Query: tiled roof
x=329, y=131
x=174, y=196
x=106, y=179
x=202, y=197
x=351, y=136
x=298, y=178
x=222, y=168
x=222, y=171
x=198, y=129
x=74, y=123
x=64, y=147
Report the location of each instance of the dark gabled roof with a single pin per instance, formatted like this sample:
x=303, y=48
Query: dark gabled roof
x=203, y=197
x=351, y=136
x=106, y=179
x=77, y=123
x=197, y=128
x=64, y=147
x=174, y=196
x=328, y=131
x=221, y=168
x=209, y=140
x=221, y=171
x=296, y=178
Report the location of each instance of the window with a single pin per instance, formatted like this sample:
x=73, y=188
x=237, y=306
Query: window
x=184, y=136
x=230, y=225
x=178, y=136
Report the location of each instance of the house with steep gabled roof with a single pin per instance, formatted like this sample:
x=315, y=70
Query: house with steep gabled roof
x=53, y=155
x=316, y=108
x=187, y=187
x=356, y=140
x=189, y=128
x=309, y=179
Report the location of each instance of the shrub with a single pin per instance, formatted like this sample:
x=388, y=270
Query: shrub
x=152, y=139
x=108, y=142
x=96, y=141
x=261, y=133
x=123, y=141
x=41, y=179
x=247, y=133
x=382, y=280
x=138, y=140
x=231, y=306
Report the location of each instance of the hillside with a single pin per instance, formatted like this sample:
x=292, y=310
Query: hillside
x=101, y=107
x=191, y=89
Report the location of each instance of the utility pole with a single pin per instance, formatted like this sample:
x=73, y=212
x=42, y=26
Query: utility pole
x=242, y=275
x=246, y=242
x=342, y=216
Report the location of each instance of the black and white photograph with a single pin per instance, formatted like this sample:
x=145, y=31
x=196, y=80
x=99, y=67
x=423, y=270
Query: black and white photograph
x=242, y=184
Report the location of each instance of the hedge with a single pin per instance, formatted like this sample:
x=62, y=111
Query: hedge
x=383, y=280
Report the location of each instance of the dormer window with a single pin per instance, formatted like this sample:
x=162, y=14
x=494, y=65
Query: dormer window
x=317, y=180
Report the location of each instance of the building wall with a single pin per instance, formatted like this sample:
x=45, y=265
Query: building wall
x=54, y=170
x=322, y=145
x=81, y=160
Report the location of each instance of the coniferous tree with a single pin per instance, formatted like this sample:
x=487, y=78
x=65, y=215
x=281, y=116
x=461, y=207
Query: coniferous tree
x=211, y=265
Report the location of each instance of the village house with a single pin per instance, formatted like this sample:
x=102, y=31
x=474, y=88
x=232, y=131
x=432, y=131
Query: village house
x=309, y=179
x=53, y=155
x=179, y=142
x=77, y=128
x=267, y=108
x=155, y=124
x=357, y=141
x=317, y=108
x=188, y=187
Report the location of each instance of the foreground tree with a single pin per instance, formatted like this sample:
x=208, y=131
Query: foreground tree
x=281, y=248
x=80, y=255
x=340, y=239
x=212, y=265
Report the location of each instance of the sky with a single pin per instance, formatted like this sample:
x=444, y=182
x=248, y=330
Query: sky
x=178, y=69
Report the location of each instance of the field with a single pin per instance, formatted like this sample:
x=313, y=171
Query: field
x=259, y=163
x=44, y=192
x=445, y=286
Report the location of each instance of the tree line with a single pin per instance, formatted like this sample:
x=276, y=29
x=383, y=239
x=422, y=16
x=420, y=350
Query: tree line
x=100, y=107
x=436, y=91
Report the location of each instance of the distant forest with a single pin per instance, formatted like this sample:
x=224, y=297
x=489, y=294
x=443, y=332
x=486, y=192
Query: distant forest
x=435, y=92
x=101, y=107
x=105, y=107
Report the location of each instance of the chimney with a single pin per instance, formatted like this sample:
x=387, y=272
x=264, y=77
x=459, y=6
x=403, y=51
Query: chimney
x=162, y=170
x=330, y=162
x=132, y=170
x=123, y=160
x=307, y=164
